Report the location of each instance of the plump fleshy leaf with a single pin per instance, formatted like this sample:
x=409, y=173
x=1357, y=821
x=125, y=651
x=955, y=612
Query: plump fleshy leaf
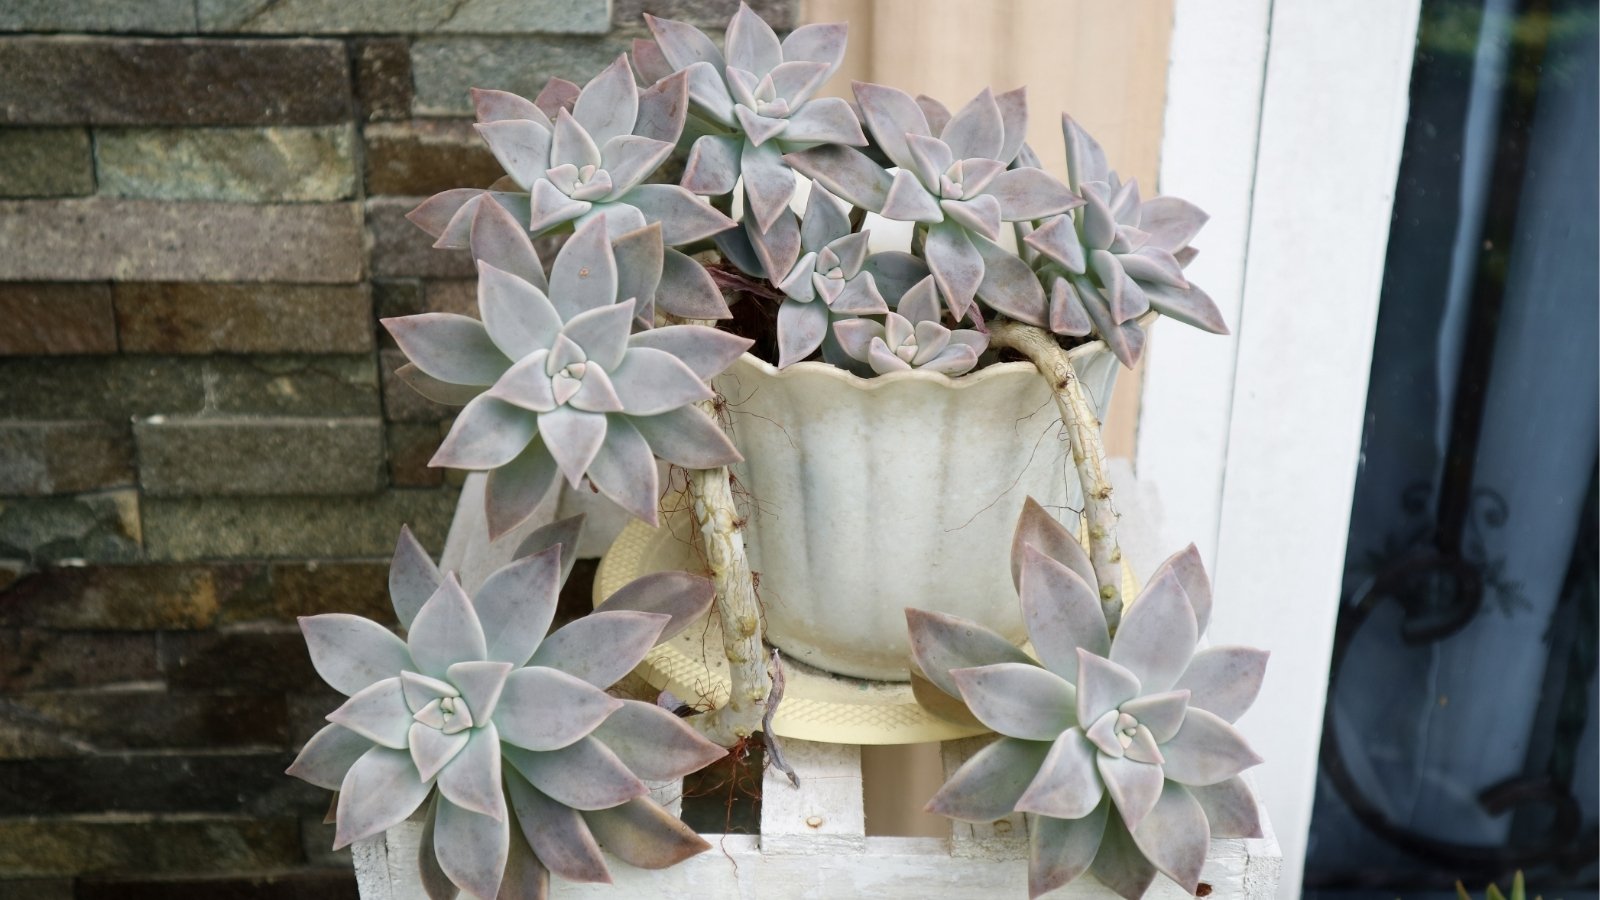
x=472, y=848
x=472, y=780
x=1206, y=750
x=1225, y=680
x=487, y=434
x=1029, y=194
x=1062, y=613
x=683, y=597
x=1019, y=700
x=446, y=631
x=1102, y=686
x=556, y=833
x=643, y=834
x=601, y=647
x=525, y=876
x=687, y=437
x=1134, y=787
x=583, y=775
x=378, y=712
x=573, y=437
x=494, y=106
x=1119, y=865
x=1230, y=808
x=609, y=103
x=545, y=709
x=436, y=390
x=987, y=786
x=1059, y=850
x=431, y=749
x=941, y=642
x=976, y=130
x=584, y=275
x=956, y=265
x=655, y=744
x=684, y=217
x=514, y=491
x=847, y=173
x=652, y=381
x=350, y=652
x=1174, y=837
x=1190, y=570
x=563, y=533
x=683, y=44
x=713, y=165
x=1068, y=784
x=625, y=471
x=1038, y=527
x=663, y=108
x=480, y=683
x=328, y=756
x=1158, y=634
x=435, y=883
x=1161, y=713
x=412, y=577
x=517, y=315
x=449, y=347
x=890, y=114
x=381, y=790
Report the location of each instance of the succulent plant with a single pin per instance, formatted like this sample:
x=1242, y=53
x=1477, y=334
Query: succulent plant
x=831, y=280
x=956, y=184
x=553, y=381
x=912, y=337
x=1120, y=750
x=757, y=101
x=1116, y=257
x=527, y=766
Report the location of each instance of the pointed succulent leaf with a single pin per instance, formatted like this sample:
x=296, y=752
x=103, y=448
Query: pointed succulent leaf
x=1191, y=306
x=979, y=215
x=494, y=106
x=1174, y=836
x=1102, y=686
x=1067, y=315
x=987, y=786
x=681, y=596
x=945, y=706
x=890, y=114
x=472, y=848
x=1013, y=105
x=708, y=93
x=573, y=437
x=449, y=347
x=1036, y=526
x=976, y=130
x=1018, y=699
x=768, y=183
x=571, y=144
x=1120, y=865
x=687, y=437
x=847, y=173
x=446, y=631
x=431, y=749
x=584, y=775
x=438, y=391
x=435, y=883
x=556, y=833
x=653, y=381
x=824, y=120
x=687, y=291
x=601, y=648
x=683, y=44
x=442, y=215
x=521, y=146
x=1224, y=680
x=381, y=790
x=941, y=642
x=801, y=327
x=328, y=756
x=378, y=713
x=713, y=165
x=609, y=104
x=1157, y=636
x=420, y=690
x=518, y=316
x=513, y=491
x=1061, y=611
x=629, y=159
x=1230, y=808
x=412, y=577
x=548, y=207
x=936, y=113
x=625, y=471
x=1206, y=750
x=499, y=240
x=602, y=332
x=822, y=42
x=1057, y=239
x=956, y=265
x=883, y=360
x=1155, y=266
x=1134, y=787
x=655, y=744
x=556, y=95
x=684, y=218
x=545, y=709
x=480, y=683
x=909, y=201
x=584, y=276
x=751, y=43
x=1030, y=194
x=351, y=653
x=1008, y=284
x=642, y=834
x=1067, y=785
x=562, y=533
x=776, y=249
x=1171, y=222
x=488, y=433
x=1190, y=570
x=1059, y=850
x=1161, y=713
x=1086, y=162
x=472, y=780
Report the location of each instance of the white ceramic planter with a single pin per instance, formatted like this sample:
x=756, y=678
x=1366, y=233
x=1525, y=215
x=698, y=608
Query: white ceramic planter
x=871, y=495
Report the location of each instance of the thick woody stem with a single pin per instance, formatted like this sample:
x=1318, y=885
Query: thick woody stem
x=711, y=497
x=1088, y=452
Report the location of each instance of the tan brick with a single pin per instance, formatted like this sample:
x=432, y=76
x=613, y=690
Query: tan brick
x=228, y=455
x=41, y=458
x=185, y=317
x=44, y=318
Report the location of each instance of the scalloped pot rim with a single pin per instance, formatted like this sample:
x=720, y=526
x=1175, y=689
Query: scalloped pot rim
x=802, y=370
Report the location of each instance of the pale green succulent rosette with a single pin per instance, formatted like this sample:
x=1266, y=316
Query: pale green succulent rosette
x=956, y=183
x=757, y=101
x=1121, y=751
x=578, y=155
x=1117, y=257
x=555, y=382
x=527, y=766
x=912, y=337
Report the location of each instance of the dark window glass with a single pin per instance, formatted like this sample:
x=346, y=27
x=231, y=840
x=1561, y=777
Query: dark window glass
x=1460, y=734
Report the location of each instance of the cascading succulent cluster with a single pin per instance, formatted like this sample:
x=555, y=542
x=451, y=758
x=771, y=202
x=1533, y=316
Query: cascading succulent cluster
x=1120, y=749
x=525, y=765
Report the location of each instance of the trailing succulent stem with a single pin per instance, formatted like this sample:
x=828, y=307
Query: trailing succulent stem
x=711, y=497
x=1088, y=452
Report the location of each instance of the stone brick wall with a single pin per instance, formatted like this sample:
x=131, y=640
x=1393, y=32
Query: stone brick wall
x=201, y=219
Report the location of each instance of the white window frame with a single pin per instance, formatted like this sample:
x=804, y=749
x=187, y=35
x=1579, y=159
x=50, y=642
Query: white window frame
x=1285, y=120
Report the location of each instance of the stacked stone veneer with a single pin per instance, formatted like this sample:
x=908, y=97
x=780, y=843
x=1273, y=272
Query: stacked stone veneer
x=201, y=220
